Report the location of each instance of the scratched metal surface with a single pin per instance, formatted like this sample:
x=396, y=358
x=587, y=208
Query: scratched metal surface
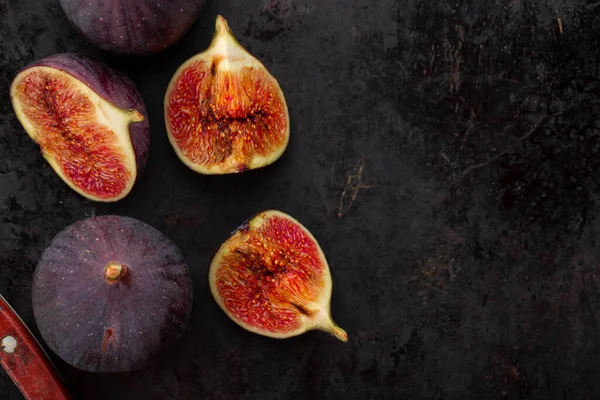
x=444, y=153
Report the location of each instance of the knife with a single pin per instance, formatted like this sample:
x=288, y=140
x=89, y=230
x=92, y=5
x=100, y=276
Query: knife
x=25, y=361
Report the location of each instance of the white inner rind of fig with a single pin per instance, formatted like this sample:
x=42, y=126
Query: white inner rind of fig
x=101, y=116
x=231, y=58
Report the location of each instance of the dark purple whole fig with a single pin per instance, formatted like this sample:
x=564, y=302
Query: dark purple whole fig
x=133, y=27
x=111, y=294
x=89, y=120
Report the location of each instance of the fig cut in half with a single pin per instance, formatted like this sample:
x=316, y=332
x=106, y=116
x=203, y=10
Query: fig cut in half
x=271, y=278
x=89, y=121
x=224, y=112
x=111, y=294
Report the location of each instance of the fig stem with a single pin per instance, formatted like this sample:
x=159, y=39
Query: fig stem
x=114, y=272
x=135, y=116
x=338, y=333
x=224, y=45
x=221, y=25
x=326, y=324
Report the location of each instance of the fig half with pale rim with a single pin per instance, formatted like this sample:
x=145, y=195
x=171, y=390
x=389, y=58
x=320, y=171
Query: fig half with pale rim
x=89, y=120
x=224, y=112
x=271, y=278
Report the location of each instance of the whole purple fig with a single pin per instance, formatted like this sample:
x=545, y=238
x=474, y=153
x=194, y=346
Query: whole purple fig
x=111, y=294
x=133, y=27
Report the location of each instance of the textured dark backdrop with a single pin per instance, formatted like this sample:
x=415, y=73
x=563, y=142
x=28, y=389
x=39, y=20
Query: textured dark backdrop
x=444, y=153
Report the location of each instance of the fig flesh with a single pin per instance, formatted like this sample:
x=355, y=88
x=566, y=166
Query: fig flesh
x=111, y=294
x=89, y=120
x=271, y=278
x=224, y=112
x=132, y=27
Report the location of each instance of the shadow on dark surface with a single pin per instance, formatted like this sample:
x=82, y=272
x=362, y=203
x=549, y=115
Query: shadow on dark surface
x=444, y=154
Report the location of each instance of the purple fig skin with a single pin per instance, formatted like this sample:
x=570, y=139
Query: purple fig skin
x=99, y=325
x=113, y=86
x=132, y=27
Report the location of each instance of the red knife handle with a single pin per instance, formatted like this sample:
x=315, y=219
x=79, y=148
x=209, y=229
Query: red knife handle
x=25, y=361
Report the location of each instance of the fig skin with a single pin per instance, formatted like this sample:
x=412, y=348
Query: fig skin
x=224, y=112
x=111, y=85
x=133, y=27
x=111, y=294
x=271, y=278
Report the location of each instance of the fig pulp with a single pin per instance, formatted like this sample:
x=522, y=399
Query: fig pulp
x=89, y=120
x=132, y=27
x=271, y=277
x=224, y=112
x=111, y=294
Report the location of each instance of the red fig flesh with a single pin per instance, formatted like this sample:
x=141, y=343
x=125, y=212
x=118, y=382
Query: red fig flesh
x=271, y=278
x=111, y=294
x=224, y=112
x=89, y=121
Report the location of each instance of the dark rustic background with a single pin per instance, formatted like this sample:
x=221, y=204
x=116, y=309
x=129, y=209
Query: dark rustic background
x=445, y=154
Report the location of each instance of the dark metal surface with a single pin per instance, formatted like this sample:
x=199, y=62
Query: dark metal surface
x=444, y=153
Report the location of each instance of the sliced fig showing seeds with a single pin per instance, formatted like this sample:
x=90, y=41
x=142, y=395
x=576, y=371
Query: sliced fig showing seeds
x=132, y=27
x=89, y=120
x=111, y=294
x=224, y=112
x=271, y=277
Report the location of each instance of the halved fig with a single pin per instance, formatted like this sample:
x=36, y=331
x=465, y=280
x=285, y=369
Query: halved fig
x=111, y=294
x=89, y=120
x=224, y=112
x=271, y=278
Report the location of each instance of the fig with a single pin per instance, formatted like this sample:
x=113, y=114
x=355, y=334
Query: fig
x=271, y=278
x=111, y=294
x=89, y=120
x=132, y=27
x=224, y=112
